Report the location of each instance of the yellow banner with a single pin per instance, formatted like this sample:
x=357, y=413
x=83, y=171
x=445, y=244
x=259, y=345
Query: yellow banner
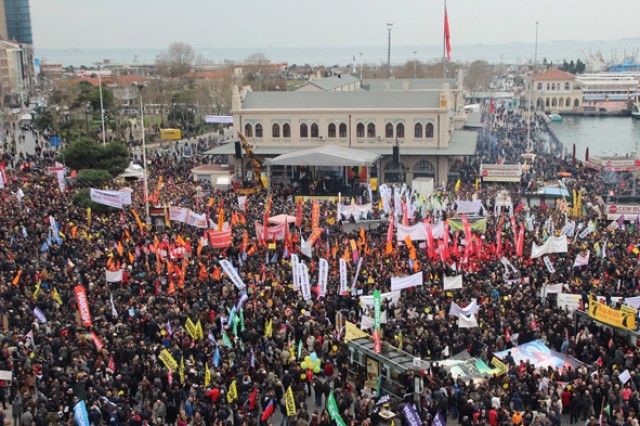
x=374, y=183
x=351, y=331
x=501, y=366
x=199, y=330
x=232, y=394
x=207, y=375
x=170, y=134
x=191, y=329
x=373, y=371
x=168, y=360
x=290, y=402
x=623, y=318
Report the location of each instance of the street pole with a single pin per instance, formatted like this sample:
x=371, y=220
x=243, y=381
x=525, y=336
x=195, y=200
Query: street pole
x=415, y=64
x=144, y=160
x=389, y=27
x=104, y=137
x=360, y=53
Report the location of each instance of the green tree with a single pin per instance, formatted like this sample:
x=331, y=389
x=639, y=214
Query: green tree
x=86, y=153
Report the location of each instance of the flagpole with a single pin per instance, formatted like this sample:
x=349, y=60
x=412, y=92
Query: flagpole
x=444, y=44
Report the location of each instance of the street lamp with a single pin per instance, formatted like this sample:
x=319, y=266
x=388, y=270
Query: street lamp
x=415, y=64
x=360, y=53
x=104, y=135
x=389, y=27
x=141, y=86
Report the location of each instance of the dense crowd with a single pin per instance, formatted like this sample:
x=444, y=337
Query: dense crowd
x=236, y=372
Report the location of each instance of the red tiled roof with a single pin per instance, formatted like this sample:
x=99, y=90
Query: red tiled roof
x=554, y=75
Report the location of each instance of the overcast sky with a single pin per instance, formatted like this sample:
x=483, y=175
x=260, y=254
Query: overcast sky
x=326, y=23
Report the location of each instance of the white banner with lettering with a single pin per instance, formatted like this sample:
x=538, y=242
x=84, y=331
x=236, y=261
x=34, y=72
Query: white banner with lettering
x=110, y=198
x=400, y=283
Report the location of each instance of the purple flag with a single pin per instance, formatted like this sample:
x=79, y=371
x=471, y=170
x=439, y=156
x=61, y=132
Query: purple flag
x=439, y=420
x=411, y=416
x=39, y=315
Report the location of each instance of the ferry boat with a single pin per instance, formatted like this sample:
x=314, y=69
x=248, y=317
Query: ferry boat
x=635, y=110
x=609, y=86
x=555, y=117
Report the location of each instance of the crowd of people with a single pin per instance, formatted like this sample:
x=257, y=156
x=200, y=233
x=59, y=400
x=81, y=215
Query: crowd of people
x=139, y=360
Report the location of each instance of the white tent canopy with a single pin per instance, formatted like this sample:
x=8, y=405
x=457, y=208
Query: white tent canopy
x=326, y=155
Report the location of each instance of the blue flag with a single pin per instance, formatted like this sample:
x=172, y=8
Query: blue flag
x=216, y=357
x=80, y=413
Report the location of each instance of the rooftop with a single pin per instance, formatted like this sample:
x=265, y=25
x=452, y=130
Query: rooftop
x=554, y=75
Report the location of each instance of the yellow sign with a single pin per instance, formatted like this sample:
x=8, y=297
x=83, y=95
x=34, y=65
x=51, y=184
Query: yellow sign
x=232, y=394
x=373, y=371
x=501, y=366
x=191, y=329
x=351, y=331
x=290, y=402
x=623, y=318
x=170, y=134
x=167, y=360
x=374, y=183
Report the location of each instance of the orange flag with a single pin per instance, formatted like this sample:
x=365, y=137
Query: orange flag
x=156, y=242
x=220, y=219
x=243, y=220
x=216, y=275
x=120, y=249
x=17, y=277
x=234, y=219
x=172, y=288
x=74, y=232
x=199, y=250
x=131, y=258
x=183, y=273
x=409, y=243
x=127, y=235
x=203, y=272
x=211, y=201
x=159, y=185
x=362, y=236
x=180, y=241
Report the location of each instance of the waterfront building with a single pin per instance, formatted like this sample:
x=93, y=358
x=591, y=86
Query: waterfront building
x=425, y=117
x=17, y=21
x=556, y=91
x=16, y=72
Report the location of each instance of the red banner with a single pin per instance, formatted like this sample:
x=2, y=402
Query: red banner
x=299, y=213
x=520, y=245
x=96, y=340
x=315, y=215
x=220, y=239
x=377, y=346
x=314, y=236
x=83, y=305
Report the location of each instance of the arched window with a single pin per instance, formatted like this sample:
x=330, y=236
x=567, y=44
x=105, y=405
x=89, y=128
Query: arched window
x=342, y=130
x=424, y=169
x=371, y=130
x=560, y=101
x=567, y=86
x=548, y=86
x=388, y=131
x=275, y=130
x=546, y=102
x=568, y=102
x=286, y=130
x=394, y=172
x=304, y=130
x=553, y=86
x=429, y=130
x=554, y=102
x=314, y=130
x=258, y=130
x=360, y=130
x=576, y=103
x=248, y=130
x=417, y=133
x=331, y=131
x=539, y=86
x=399, y=130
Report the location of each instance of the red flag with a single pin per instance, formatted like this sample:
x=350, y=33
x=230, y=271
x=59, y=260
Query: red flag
x=170, y=378
x=111, y=367
x=252, y=399
x=299, y=213
x=267, y=411
x=447, y=34
x=507, y=335
x=405, y=215
x=315, y=215
x=389, y=248
x=520, y=245
x=377, y=346
x=83, y=305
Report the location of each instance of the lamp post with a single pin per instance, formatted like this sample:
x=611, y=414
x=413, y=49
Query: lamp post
x=360, y=53
x=141, y=86
x=389, y=27
x=415, y=64
x=104, y=134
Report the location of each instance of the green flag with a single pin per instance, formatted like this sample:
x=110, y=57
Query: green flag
x=334, y=411
x=242, y=320
x=376, y=309
x=226, y=341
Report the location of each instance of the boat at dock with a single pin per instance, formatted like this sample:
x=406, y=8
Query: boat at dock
x=635, y=110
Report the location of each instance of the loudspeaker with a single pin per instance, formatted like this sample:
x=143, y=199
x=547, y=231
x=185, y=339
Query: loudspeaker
x=238, y=150
x=396, y=155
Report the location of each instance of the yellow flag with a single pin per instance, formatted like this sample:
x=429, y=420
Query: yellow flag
x=57, y=297
x=140, y=224
x=268, y=328
x=182, y=371
x=168, y=360
x=207, y=375
x=477, y=184
x=199, y=330
x=290, y=402
x=458, y=183
x=232, y=394
x=35, y=293
x=89, y=217
x=191, y=329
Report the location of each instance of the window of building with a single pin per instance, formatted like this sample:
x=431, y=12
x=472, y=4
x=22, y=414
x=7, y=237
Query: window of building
x=371, y=130
x=248, y=131
x=548, y=86
x=275, y=130
x=554, y=102
x=258, y=130
x=424, y=169
x=400, y=130
x=360, y=130
x=394, y=172
x=331, y=131
x=546, y=102
x=417, y=133
x=553, y=86
x=342, y=130
x=286, y=130
x=429, y=130
x=576, y=103
x=314, y=130
x=567, y=86
x=568, y=102
x=388, y=131
x=539, y=86
x=304, y=130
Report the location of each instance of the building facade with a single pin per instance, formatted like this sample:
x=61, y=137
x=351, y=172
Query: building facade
x=16, y=72
x=18, y=21
x=556, y=91
x=426, y=122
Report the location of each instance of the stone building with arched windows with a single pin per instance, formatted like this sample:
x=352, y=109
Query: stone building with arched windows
x=424, y=116
x=556, y=91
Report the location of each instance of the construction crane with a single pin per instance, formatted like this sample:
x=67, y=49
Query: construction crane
x=255, y=163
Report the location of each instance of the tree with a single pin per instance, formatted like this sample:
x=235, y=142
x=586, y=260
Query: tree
x=87, y=153
x=479, y=75
x=177, y=60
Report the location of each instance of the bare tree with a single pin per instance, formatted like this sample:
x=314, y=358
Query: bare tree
x=479, y=76
x=177, y=60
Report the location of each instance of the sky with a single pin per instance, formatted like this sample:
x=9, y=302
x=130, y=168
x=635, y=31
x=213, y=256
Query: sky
x=104, y=24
